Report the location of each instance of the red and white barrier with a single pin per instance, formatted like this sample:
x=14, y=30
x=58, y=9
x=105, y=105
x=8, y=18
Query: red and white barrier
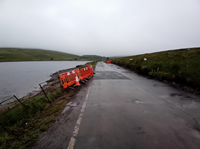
x=74, y=76
x=108, y=61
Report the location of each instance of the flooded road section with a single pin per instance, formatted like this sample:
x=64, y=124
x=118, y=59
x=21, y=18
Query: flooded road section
x=120, y=109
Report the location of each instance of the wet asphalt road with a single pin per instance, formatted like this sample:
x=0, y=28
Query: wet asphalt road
x=123, y=110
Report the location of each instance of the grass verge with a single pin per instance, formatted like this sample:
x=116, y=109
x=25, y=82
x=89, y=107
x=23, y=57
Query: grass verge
x=34, y=119
x=181, y=66
x=90, y=63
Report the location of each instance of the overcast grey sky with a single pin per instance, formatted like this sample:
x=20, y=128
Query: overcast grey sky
x=102, y=27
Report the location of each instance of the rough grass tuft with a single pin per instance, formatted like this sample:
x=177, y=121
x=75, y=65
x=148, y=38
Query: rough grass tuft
x=177, y=65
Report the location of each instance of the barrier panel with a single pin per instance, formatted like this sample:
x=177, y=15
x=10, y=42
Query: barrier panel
x=74, y=76
x=108, y=61
x=79, y=75
x=85, y=72
x=91, y=69
x=69, y=78
x=63, y=80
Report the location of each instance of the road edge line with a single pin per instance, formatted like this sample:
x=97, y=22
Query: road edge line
x=78, y=122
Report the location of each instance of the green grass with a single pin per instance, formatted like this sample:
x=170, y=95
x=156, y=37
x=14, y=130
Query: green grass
x=90, y=63
x=49, y=120
x=28, y=109
x=93, y=57
x=176, y=65
x=35, y=117
x=9, y=54
x=43, y=128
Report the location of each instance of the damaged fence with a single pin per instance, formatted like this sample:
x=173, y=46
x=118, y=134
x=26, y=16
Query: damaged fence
x=13, y=109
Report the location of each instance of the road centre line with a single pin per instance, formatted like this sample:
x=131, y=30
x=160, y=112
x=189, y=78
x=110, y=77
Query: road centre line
x=77, y=126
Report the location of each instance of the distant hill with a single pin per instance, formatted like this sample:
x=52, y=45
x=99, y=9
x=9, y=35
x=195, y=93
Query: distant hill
x=93, y=57
x=113, y=57
x=16, y=54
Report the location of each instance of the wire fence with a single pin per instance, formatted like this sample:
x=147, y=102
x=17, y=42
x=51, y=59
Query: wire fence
x=14, y=109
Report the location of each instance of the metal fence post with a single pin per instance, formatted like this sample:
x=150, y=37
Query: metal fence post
x=60, y=84
x=45, y=94
x=20, y=102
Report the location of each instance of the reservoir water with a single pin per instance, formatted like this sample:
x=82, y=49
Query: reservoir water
x=20, y=78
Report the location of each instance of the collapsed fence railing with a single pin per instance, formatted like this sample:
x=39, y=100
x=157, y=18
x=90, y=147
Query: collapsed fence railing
x=14, y=108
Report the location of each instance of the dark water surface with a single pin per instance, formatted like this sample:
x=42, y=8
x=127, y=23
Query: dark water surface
x=20, y=78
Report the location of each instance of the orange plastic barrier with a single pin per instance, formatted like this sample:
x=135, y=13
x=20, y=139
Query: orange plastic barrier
x=91, y=69
x=85, y=72
x=108, y=61
x=78, y=74
x=71, y=78
x=63, y=81
x=74, y=76
x=68, y=78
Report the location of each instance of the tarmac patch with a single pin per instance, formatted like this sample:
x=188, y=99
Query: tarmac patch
x=101, y=75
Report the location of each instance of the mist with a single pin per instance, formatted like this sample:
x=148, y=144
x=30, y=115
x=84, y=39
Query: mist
x=106, y=28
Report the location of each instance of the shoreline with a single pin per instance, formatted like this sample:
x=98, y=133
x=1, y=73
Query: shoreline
x=47, y=83
x=34, y=93
x=53, y=80
x=53, y=77
x=36, y=112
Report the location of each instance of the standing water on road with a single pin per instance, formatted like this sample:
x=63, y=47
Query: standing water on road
x=19, y=78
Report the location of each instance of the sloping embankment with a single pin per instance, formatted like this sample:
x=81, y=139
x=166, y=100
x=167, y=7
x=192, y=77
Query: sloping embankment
x=181, y=66
x=22, y=122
